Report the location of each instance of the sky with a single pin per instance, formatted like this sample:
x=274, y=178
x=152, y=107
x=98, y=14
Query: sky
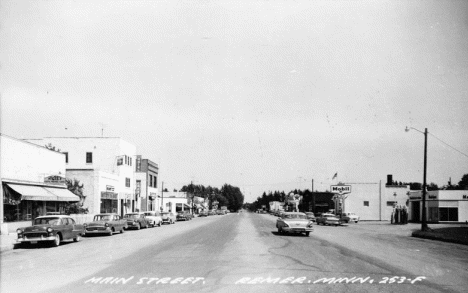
x=261, y=94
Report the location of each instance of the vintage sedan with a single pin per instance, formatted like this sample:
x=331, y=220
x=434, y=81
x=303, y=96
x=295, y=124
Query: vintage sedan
x=168, y=218
x=136, y=221
x=294, y=222
x=154, y=218
x=105, y=224
x=328, y=219
x=349, y=217
x=184, y=216
x=203, y=214
x=310, y=216
x=52, y=229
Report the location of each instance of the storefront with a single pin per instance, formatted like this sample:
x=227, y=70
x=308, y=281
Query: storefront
x=109, y=202
x=441, y=206
x=25, y=202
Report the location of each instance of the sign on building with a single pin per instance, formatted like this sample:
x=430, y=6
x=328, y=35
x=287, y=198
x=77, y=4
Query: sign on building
x=55, y=179
x=340, y=189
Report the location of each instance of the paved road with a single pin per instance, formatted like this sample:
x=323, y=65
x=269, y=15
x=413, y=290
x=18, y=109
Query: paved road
x=241, y=253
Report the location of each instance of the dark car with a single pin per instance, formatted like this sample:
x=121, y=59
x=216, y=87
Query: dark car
x=105, y=224
x=136, y=221
x=53, y=229
x=184, y=216
x=310, y=216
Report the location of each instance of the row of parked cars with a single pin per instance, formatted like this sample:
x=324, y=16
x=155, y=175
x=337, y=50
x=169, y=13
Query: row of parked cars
x=322, y=218
x=57, y=228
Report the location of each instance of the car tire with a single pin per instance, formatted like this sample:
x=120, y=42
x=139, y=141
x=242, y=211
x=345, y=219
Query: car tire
x=56, y=241
x=111, y=232
x=122, y=230
x=139, y=226
x=77, y=238
x=307, y=233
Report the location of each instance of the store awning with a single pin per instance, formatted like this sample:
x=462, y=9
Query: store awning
x=63, y=194
x=30, y=192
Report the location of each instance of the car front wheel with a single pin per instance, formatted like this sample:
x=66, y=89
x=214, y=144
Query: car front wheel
x=77, y=238
x=56, y=241
x=307, y=233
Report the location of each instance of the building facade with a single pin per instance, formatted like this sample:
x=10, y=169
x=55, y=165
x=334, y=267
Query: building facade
x=146, y=175
x=441, y=206
x=173, y=201
x=105, y=166
x=32, y=182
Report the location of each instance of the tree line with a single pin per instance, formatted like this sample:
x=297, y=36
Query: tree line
x=228, y=195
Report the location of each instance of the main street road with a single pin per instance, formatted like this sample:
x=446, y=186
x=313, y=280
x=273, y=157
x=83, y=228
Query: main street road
x=241, y=253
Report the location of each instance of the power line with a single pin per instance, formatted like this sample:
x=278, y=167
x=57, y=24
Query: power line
x=448, y=145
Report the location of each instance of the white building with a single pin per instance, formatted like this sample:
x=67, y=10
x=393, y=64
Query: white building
x=173, y=201
x=105, y=165
x=441, y=206
x=146, y=175
x=374, y=201
x=32, y=182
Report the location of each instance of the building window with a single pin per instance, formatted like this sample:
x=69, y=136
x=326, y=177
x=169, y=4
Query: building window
x=151, y=181
x=89, y=157
x=119, y=161
x=127, y=182
x=126, y=160
x=66, y=157
x=130, y=161
x=366, y=203
x=391, y=203
x=155, y=181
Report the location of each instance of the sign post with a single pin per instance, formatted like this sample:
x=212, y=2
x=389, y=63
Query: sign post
x=340, y=190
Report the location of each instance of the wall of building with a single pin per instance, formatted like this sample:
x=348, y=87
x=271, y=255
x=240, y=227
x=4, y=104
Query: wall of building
x=26, y=161
x=361, y=193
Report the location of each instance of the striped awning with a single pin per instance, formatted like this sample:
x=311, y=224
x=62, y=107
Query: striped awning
x=31, y=192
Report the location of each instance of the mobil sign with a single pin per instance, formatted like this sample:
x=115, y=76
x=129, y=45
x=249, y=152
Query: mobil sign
x=341, y=189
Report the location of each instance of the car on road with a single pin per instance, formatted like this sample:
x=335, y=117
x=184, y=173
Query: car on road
x=136, y=220
x=310, y=216
x=294, y=222
x=154, y=218
x=211, y=213
x=184, y=216
x=53, y=229
x=203, y=214
x=349, y=217
x=105, y=224
x=328, y=219
x=168, y=218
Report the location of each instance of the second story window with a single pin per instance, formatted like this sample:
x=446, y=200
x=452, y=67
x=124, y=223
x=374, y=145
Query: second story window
x=151, y=180
x=89, y=157
x=66, y=157
x=127, y=182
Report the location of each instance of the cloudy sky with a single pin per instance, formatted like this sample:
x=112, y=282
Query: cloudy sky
x=264, y=95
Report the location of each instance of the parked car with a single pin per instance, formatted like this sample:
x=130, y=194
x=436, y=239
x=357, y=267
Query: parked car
x=184, y=216
x=310, y=216
x=136, y=221
x=220, y=212
x=168, y=218
x=53, y=229
x=349, y=217
x=105, y=224
x=328, y=219
x=203, y=214
x=154, y=218
x=294, y=222
x=211, y=213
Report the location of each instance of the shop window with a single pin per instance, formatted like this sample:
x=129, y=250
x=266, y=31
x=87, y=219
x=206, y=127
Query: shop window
x=366, y=203
x=89, y=157
x=448, y=214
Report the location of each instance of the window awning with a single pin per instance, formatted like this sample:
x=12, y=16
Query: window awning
x=29, y=192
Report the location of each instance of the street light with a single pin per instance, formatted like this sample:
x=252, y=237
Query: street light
x=423, y=221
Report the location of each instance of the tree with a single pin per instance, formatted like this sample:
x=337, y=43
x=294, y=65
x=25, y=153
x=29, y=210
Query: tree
x=463, y=183
x=76, y=188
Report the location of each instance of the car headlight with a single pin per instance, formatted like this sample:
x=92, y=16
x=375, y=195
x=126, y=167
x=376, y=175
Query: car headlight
x=286, y=225
x=85, y=225
x=310, y=224
x=106, y=224
x=49, y=230
x=19, y=231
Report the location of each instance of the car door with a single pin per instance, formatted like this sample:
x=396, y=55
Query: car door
x=76, y=228
x=66, y=228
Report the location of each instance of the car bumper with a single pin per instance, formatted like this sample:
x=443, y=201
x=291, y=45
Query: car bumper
x=98, y=231
x=36, y=239
x=297, y=229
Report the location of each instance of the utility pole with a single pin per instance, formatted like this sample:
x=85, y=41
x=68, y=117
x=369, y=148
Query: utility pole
x=162, y=196
x=423, y=221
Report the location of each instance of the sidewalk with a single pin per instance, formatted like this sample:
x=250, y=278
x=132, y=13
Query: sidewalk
x=7, y=242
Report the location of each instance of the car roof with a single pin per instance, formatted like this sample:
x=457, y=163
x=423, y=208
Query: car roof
x=294, y=213
x=106, y=214
x=53, y=216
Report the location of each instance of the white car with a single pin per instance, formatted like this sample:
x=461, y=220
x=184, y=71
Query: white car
x=349, y=217
x=153, y=218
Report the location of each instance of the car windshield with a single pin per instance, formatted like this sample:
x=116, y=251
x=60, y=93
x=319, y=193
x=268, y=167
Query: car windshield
x=102, y=217
x=132, y=216
x=149, y=214
x=294, y=216
x=164, y=214
x=47, y=221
